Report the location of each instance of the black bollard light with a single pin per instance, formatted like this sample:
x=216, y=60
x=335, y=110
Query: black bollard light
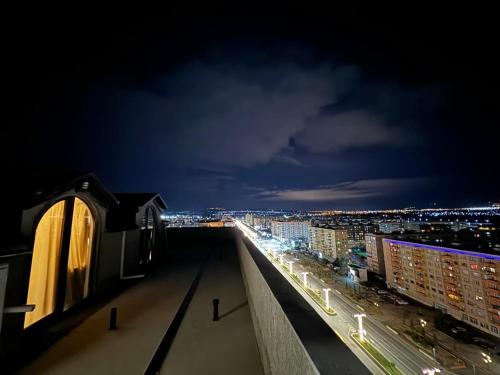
x=215, y=302
x=112, y=319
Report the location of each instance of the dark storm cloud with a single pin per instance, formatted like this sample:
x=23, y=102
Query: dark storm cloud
x=309, y=124
x=355, y=128
x=234, y=116
x=237, y=115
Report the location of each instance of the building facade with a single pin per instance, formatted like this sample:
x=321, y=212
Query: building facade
x=261, y=222
x=290, y=230
x=461, y=283
x=249, y=219
x=389, y=226
x=356, y=232
x=329, y=243
x=375, y=253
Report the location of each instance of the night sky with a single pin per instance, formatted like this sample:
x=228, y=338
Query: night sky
x=343, y=107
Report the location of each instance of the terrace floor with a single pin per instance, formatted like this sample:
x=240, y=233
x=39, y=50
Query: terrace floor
x=146, y=313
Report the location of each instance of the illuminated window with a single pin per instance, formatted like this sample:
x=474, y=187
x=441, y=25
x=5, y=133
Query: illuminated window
x=45, y=264
x=46, y=267
x=80, y=248
x=147, y=236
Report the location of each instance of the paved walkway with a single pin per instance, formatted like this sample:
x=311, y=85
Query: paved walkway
x=145, y=313
x=227, y=346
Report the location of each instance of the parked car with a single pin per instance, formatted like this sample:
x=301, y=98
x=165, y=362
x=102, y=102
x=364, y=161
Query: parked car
x=391, y=297
x=382, y=291
x=401, y=302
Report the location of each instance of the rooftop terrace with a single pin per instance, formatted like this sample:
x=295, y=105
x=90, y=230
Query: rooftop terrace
x=165, y=321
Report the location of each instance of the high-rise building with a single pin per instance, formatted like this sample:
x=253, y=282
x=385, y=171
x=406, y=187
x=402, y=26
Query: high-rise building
x=356, y=232
x=289, y=230
x=389, y=226
x=464, y=284
x=375, y=253
x=249, y=219
x=261, y=221
x=412, y=226
x=330, y=243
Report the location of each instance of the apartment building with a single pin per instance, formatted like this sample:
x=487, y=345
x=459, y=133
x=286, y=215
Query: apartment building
x=375, y=253
x=461, y=283
x=261, y=221
x=330, y=243
x=249, y=219
x=389, y=226
x=290, y=230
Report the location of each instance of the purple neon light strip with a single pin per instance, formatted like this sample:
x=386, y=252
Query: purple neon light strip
x=446, y=250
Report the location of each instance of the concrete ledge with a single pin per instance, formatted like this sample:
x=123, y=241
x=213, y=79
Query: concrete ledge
x=292, y=338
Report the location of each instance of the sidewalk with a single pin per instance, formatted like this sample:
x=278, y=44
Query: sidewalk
x=227, y=346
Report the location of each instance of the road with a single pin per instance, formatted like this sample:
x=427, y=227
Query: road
x=407, y=358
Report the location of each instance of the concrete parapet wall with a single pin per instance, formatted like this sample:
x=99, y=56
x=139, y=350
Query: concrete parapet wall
x=281, y=349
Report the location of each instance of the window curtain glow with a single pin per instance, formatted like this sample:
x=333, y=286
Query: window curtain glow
x=80, y=248
x=45, y=264
x=147, y=237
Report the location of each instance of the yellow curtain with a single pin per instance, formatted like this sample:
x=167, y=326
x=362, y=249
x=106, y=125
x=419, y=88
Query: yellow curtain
x=45, y=264
x=80, y=248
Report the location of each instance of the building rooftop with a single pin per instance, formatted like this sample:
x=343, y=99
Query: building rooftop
x=165, y=321
x=163, y=317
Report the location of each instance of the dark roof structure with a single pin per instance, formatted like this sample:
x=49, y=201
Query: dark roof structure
x=122, y=216
x=33, y=189
x=139, y=199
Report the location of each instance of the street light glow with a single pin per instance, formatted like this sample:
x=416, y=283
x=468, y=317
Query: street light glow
x=486, y=358
x=431, y=371
x=361, y=330
x=305, y=278
x=327, y=297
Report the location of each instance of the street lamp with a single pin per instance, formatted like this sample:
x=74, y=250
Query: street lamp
x=281, y=259
x=431, y=371
x=327, y=298
x=361, y=330
x=423, y=323
x=486, y=359
x=305, y=278
x=290, y=265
